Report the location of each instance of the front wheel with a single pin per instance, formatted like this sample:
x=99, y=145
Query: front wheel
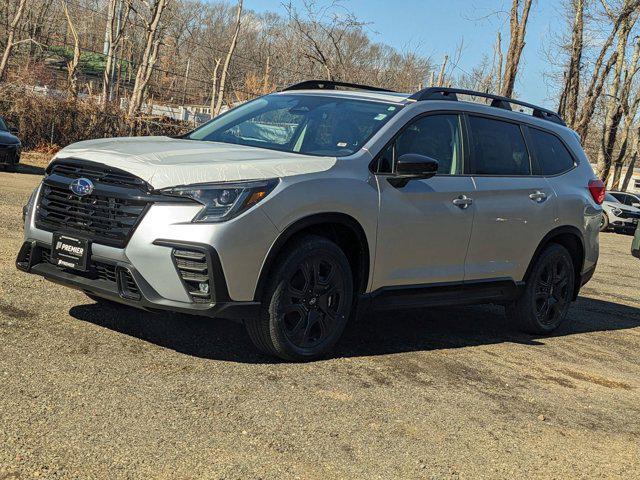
x=543, y=305
x=306, y=303
x=604, y=222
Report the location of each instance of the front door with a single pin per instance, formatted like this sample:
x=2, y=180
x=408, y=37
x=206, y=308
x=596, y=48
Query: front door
x=422, y=235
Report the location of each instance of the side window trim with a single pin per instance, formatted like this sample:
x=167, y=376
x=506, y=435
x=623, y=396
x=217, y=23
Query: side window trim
x=525, y=138
x=374, y=166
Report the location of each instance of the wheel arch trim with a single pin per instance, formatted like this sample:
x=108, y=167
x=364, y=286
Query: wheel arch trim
x=318, y=219
x=548, y=238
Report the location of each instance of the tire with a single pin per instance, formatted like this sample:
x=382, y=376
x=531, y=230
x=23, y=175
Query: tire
x=307, y=301
x=604, y=222
x=543, y=305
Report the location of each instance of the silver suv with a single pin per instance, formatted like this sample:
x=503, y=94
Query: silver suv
x=297, y=209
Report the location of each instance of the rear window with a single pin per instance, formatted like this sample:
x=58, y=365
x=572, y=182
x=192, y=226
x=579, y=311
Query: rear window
x=498, y=148
x=552, y=155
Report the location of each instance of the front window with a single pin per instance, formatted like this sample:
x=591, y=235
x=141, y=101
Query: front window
x=308, y=124
x=610, y=198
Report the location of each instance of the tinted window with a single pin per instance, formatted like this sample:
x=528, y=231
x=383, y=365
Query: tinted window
x=552, y=155
x=621, y=197
x=435, y=136
x=610, y=198
x=498, y=148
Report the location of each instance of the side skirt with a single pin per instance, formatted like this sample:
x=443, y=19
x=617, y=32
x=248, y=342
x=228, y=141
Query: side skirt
x=500, y=290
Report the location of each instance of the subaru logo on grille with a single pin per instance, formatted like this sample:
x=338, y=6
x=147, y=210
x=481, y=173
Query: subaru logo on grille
x=81, y=186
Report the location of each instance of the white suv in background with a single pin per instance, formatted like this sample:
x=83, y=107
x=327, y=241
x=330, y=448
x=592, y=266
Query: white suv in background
x=291, y=210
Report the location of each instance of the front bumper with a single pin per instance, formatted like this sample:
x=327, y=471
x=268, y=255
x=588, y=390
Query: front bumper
x=121, y=282
x=235, y=252
x=9, y=154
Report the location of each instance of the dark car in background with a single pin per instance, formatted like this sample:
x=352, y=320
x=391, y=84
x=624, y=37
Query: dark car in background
x=9, y=146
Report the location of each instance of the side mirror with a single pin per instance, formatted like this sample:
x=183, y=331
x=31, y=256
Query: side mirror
x=412, y=166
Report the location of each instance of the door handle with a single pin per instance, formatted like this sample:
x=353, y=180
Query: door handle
x=462, y=201
x=538, y=196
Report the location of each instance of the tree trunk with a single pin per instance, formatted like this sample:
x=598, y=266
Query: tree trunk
x=214, y=81
x=149, y=58
x=616, y=104
x=72, y=65
x=227, y=60
x=443, y=69
x=518, y=28
x=11, y=33
x=630, y=168
x=600, y=74
x=569, y=98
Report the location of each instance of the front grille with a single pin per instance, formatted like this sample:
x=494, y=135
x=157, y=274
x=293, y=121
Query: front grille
x=96, y=174
x=99, y=270
x=107, y=215
x=193, y=269
x=628, y=214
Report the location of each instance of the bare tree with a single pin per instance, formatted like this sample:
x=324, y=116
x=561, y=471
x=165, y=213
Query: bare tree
x=72, y=65
x=617, y=96
x=601, y=69
x=117, y=14
x=149, y=56
x=629, y=174
x=227, y=61
x=11, y=33
x=569, y=97
x=443, y=68
x=518, y=28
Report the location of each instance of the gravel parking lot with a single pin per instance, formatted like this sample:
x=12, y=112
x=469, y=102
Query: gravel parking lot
x=91, y=392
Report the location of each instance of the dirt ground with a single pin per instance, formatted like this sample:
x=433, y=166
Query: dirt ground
x=94, y=392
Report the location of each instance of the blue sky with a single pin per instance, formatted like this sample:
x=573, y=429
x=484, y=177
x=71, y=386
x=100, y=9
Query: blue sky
x=436, y=27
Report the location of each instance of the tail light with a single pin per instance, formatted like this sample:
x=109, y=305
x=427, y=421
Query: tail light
x=597, y=190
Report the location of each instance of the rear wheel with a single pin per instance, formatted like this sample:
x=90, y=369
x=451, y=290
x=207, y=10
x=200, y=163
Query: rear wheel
x=604, y=222
x=548, y=293
x=307, y=302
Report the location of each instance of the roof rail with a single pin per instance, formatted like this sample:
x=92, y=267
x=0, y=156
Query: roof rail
x=442, y=93
x=331, y=85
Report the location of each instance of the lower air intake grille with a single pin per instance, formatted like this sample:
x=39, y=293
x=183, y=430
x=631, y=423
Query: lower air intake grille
x=193, y=269
x=126, y=284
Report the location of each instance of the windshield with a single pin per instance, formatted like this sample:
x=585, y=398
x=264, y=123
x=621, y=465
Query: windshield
x=308, y=124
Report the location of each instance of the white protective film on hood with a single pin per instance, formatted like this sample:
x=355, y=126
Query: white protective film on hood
x=168, y=162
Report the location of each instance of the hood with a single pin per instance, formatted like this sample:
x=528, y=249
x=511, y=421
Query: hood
x=621, y=206
x=168, y=162
x=8, y=138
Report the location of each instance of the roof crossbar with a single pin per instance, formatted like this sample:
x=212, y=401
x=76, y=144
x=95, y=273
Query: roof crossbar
x=497, y=101
x=331, y=85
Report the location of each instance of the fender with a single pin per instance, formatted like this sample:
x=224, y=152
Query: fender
x=317, y=220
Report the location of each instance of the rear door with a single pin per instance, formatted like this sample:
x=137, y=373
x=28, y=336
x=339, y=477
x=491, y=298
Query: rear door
x=514, y=208
x=422, y=235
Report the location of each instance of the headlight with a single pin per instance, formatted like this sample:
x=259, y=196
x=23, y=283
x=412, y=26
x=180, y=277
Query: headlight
x=616, y=211
x=223, y=201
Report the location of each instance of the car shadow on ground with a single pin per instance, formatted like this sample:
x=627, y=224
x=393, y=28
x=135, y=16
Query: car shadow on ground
x=373, y=334
x=29, y=169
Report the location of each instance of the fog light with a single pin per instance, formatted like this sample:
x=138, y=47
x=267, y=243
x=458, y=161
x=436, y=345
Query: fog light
x=203, y=287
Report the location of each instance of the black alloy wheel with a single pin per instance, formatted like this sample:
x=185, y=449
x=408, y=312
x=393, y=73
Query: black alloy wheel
x=552, y=293
x=307, y=301
x=548, y=293
x=315, y=297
